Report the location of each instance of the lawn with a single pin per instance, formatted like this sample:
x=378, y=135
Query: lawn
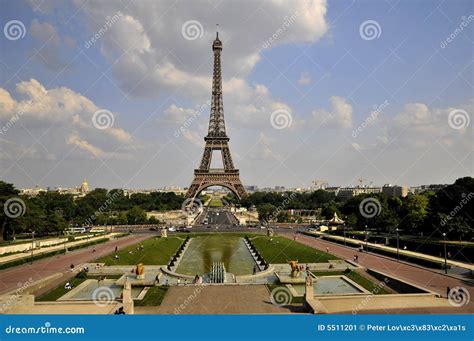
x=153, y=297
x=216, y=202
x=59, y=291
x=156, y=251
x=281, y=250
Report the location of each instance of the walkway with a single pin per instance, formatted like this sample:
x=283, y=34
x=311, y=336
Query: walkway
x=11, y=278
x=21, y=255
x=401, y=251
x=433, y=281
x=216, y=299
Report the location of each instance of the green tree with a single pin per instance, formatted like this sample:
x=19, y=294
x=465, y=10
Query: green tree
x=136, y=215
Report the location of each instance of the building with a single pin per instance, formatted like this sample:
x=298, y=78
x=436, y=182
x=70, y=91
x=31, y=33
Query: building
x=395, y=191
x=345, y=193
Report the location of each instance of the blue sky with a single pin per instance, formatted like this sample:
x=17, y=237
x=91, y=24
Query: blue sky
x=320, y=71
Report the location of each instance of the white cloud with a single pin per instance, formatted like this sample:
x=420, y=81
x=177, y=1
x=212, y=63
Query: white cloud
x=159, y=58
x=338, y=117
x=57, y=111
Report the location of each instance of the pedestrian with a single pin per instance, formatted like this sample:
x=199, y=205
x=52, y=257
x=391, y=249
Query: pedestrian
x=254, y=269
x=116, y=248
x=93, y=250
x=354, y=258
x=448, y=289
x=72, y=267
x=327, y=249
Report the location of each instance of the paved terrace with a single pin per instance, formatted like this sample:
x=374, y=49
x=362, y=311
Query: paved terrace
x=11, y=277
x=401, y=251
x=26, y=255
x=433, y=281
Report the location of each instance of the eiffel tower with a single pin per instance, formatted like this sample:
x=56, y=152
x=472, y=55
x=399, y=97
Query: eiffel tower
x=216, y=139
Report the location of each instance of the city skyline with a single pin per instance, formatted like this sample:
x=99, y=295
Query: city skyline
x=312, y=90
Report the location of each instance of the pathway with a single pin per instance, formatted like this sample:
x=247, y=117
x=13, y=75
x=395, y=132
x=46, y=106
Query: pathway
x=433, y=281
x=217, y=299
x=11, y=277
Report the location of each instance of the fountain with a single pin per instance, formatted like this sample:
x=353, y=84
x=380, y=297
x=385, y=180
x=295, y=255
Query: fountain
x=217, y=274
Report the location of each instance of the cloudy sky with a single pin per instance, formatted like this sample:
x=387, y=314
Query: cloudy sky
x=118, y=91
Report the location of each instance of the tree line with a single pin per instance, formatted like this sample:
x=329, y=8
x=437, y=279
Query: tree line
x=449, y=210
x=52, y=212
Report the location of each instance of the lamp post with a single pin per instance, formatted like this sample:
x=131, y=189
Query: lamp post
x=32, y=244
x=398, y=245
x=366, y=239
x=344, y=227
x=445, y=257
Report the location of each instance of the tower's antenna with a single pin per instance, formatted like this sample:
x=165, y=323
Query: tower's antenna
x=217, y=31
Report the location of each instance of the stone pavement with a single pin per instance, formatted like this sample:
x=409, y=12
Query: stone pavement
x=217, y=299
x=21, y=255
x=402, y=252
x=433, y=281
x=11, y=278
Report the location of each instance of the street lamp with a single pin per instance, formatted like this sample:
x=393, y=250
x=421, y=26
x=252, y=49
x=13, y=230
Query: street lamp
x=366, y=239
x=445, y=257
x=344, y=227
x=32, y=244
x=398, y=245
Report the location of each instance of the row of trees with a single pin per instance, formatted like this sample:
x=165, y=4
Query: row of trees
x=53, y=212
x=449, y=210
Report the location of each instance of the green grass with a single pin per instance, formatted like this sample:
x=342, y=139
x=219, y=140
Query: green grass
x=216, y=203
x=59, y=291
x=367, y=283
x=153, y=297
x=282, y=250
x=157, y=251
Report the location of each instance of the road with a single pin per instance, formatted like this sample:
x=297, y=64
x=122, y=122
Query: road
x=12, y=278
x=217, y=217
